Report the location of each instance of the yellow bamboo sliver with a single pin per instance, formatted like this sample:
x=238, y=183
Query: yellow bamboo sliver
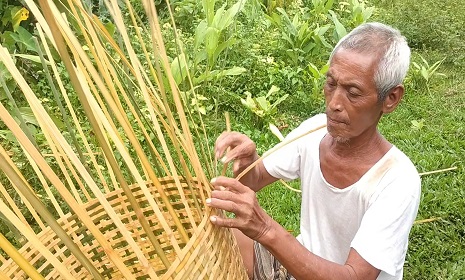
x=6, y=246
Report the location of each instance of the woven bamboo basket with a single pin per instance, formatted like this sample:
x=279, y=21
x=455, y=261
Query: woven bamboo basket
x=122, y=194
x=209, y=254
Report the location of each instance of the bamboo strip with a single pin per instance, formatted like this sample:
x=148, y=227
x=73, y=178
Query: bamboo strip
x=277, y=147
x=7, y=166
x=47, y=170
x=13, y=205
x=23, y=263
x=438, y=171
x=71, y=109
x=31, y=236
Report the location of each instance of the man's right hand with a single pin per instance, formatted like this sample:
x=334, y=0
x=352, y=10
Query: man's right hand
x=242, y=150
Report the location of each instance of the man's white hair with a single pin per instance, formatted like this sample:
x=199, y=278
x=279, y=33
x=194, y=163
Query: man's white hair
x=378, y=38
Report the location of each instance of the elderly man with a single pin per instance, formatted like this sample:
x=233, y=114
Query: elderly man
x=360, y=194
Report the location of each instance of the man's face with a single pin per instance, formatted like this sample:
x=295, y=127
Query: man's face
x=352, y=106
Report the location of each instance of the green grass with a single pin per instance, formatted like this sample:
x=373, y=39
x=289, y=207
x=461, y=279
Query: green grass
x=434, y=30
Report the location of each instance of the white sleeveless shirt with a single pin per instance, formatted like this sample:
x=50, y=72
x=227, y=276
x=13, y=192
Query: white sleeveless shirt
x=374, y=215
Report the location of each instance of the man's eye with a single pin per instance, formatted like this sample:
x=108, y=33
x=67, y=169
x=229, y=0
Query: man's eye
x=354, y=93
x=331, y=83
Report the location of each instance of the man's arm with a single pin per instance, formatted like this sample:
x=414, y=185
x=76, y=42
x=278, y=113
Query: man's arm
x=303, y=264
x=251, y=219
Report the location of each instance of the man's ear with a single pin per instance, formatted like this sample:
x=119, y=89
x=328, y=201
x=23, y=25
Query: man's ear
x=393, y=99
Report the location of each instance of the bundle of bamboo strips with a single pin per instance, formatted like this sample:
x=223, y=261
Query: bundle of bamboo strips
x=120, y=193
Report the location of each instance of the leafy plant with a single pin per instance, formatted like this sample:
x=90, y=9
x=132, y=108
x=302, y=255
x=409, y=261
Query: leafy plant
x=271, y=5
x=423, y=69
x=317, y=77
x=355, y=12
x=210, y=41
x=211, y=29
x=264, y=107
x=303, y=39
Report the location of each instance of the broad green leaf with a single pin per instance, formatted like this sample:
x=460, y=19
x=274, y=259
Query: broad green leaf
x=314, y=70
x=179, y=68
x=209, y=9
x=339, y=28
x=28, y=115
x=110, y=27
x=274, y=89
x=200, y=33
x=229, y=15
x=211, y=41
x=33, y=58
x=202, y=110
x=329, y=5
x=263, y=103
x=367, y=13
x=249, y=102
x=233, y=71
x=424, y=73
x=228, y=43
x=7, y=40
x=25, y=37
x=218, y=17
x=281, y=99
x=275, y=19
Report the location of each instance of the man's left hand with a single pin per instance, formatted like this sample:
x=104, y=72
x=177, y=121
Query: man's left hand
x=232, y=196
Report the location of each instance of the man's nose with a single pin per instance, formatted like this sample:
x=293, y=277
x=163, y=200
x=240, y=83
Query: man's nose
x=336, y=99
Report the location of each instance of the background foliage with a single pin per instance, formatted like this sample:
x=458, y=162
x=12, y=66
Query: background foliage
x=265, y=62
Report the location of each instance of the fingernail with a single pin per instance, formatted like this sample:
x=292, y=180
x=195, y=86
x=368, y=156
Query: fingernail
x=213, y=180
x=212, y=219
x=223, y=159
x=222, y=188
x=208, y=201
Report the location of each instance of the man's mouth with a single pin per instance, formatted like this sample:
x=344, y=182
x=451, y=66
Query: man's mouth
x=335, y=121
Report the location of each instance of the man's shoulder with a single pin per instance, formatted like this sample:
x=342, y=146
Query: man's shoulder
x=310, y=124
x=403, y=162
x=404, y=172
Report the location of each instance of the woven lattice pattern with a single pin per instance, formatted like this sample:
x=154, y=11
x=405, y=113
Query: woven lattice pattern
x=207, y=255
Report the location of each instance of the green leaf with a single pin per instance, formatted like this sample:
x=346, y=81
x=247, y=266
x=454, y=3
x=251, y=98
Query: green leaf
x=281, y=99
x=228, y=43
x=110, y=27
x=179, y=68
x=339, y=28
x=417, y=125
x=211, y=42
x=263, y=103
x=249, y=102
x=33, y=58
x=274, y=89
x=209, y=9
x=228, y=16
x=424, y=73
x=200, y=33
x=28, y=115
x=25, y=37
x=233, y=71
x=218, y=17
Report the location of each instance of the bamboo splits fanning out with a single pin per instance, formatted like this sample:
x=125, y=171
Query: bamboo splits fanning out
x=119, y=193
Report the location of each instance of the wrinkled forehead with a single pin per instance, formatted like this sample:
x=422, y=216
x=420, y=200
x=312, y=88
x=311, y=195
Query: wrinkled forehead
x=367, y=59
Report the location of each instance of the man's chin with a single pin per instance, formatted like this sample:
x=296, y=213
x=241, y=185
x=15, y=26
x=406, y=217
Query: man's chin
x=338, y=138
x=341, y=140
